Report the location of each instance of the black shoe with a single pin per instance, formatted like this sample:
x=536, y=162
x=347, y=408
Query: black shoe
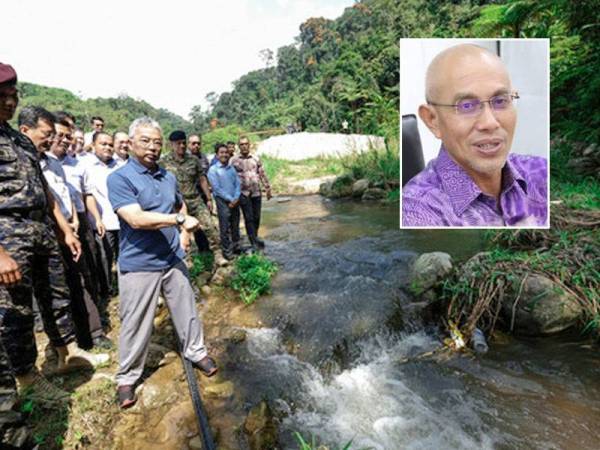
x=228, y=256
x=207, y=366
x=259, y=243
x=103, y=342
x=237, y=250
x=126, y=395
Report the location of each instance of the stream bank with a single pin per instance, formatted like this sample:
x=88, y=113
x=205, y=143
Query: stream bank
x=334, y=353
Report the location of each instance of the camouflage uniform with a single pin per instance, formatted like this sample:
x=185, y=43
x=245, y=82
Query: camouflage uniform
x=13, y=430
x=28, y=236
x=188, y=171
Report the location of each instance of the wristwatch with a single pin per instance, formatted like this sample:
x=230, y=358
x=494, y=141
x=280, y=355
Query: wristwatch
x=180, y=219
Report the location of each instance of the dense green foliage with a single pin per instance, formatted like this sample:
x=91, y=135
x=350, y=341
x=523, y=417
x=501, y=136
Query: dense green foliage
x=201, y=262
x=118, y=113
x=567, y=185
x=338, y=70
x=574, y=55
x=252, y=277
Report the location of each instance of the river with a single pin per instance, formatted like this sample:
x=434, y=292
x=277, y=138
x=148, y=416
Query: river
x=331, y=357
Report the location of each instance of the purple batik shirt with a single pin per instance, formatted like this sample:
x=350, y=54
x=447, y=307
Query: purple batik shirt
x=444, y=195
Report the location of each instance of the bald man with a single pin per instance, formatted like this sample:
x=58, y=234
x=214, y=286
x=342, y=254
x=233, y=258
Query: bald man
x=475, y=180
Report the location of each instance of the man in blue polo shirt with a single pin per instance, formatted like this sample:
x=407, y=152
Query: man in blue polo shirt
x=150, y=209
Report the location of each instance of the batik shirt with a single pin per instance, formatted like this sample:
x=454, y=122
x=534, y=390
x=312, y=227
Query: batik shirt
x=443, y=194
x=251, y=173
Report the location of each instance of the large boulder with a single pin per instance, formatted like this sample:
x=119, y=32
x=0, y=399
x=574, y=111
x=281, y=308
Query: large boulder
x=359, y=187
x=427, y=270
x=341, y=186
x=543, y=307
x=325, y=188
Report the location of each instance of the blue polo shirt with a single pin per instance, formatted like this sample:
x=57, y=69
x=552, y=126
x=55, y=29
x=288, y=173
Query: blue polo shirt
x=146, y=250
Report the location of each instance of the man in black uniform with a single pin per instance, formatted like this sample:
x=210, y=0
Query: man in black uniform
x=30, y=260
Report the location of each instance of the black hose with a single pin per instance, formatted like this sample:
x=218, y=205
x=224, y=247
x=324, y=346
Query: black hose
x=208, y=442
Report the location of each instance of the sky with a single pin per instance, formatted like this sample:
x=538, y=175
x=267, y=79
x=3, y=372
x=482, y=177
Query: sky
x=169, y=53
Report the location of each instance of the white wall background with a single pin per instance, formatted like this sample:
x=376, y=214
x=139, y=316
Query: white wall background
x=528, y=65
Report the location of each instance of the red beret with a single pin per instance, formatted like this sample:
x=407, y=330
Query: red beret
x=7, y=74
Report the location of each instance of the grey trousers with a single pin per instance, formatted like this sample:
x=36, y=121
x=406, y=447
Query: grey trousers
x=138, y=295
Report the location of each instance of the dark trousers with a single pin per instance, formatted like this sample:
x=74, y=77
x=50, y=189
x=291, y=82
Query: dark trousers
x=251, y=207
x=84, y=292
x=229, y=225
x=34, y=247
x=107, y=252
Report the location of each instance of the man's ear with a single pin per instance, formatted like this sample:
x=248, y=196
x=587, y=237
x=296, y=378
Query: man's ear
x=430, y=117
x=23, y=129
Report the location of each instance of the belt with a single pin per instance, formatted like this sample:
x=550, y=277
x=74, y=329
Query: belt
x=37, y=215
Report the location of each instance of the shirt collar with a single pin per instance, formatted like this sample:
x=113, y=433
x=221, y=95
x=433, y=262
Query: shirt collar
x=461, y=188
x=110, y=164
x=140, y=168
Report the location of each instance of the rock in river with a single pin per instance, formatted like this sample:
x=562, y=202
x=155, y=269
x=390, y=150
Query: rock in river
x=543, y=307
x=428, y=269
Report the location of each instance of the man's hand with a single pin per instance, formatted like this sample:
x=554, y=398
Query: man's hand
x=209, y=206
x=269, y=195
x=190, y=224
x=74, y=224
x=234, y=203
x=185, y=240
x=74, y=245
x=9, y=270
x=100, y=229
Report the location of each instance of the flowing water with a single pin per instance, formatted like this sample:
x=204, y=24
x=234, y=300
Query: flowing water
x=332, y=357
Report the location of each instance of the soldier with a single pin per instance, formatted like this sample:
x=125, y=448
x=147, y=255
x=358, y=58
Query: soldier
x=30, y=259
x=191, y=177
x=195, y=148
x=13, y=429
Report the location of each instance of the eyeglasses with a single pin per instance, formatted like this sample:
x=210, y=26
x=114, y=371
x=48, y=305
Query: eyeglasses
x=147, y=143
x=471, y=106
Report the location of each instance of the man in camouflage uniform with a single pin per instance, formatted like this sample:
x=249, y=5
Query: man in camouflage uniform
x=30, y=259
x=191, y=178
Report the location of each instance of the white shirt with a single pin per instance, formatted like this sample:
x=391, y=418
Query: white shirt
x=86, y=158
x=57, y=182
x=120, y=161
x=73, y=168
x=94, y=183
x=87, y=138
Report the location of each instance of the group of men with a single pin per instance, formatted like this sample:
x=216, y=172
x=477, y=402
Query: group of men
x=235, y=181
x=72, y=207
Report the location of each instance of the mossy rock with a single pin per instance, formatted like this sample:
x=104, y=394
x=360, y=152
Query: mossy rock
x=542, y=309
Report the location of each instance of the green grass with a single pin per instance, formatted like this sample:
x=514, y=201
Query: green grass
x=252, y=277
x=86, y=417
x=574, y=190
x=313, y=445
x=375, y=165
x=201, y=262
